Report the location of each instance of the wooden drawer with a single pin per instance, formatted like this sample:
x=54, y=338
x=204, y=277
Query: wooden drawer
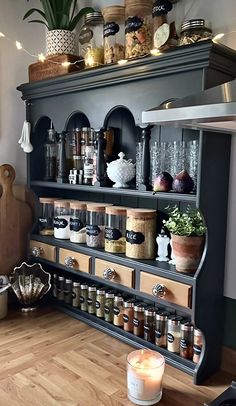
x=114, y=272
x=74, y=260
x=176, y=292
x=40, y=250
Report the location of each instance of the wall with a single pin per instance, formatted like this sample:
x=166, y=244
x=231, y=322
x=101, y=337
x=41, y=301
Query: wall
x=13, y=70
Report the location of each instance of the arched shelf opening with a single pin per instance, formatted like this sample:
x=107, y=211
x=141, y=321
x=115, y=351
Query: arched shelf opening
x=38, y=139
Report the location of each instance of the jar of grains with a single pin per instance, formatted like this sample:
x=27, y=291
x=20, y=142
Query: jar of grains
x=128, y=315
x=114, y=33
x=78, y=222
x=95, y=221
x=46, y=215
x=118, y=310
x=115, y=228
x=62, y=219
x=138, y=28
x=140, y=233
x=91, y=40
x=194, y=30
x=173, y=334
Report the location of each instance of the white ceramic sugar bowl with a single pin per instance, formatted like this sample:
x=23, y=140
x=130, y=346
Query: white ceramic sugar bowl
x=121, y=171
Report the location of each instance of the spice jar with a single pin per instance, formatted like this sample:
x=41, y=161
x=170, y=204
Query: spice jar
x=138, y=28
x=118, y=311
x=92, y=299
x=114, y=33
x=95, y=221
x=115, y=229
x=161, y=328
x=108, y=308
x=91, y=39
x=76, y=294
x=186, y=340
x=84, y=297
x=100, y=303
x=54, y=286
x=194, y=30
x=173, y=333
x=46, y=215
x=149, y=324
x=140, y=233
x=62, y=219
x=128, y=315
x=60, y=288
x=138, y=320
x=68, y=291
x=78, y=222
x=197, y=345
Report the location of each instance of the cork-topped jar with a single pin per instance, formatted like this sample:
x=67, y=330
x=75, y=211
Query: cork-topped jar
x=46, y=215
x=140, y=233
x=95, y=225
x=78, y=221
x=115, y=228
x=62, y=219
x=114, y=33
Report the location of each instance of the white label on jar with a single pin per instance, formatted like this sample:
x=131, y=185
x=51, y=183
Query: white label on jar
x=62, y=227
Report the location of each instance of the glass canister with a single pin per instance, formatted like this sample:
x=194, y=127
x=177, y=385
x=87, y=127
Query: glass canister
x=138, y=320
x=118, y=310
x=128, y=315
x=108, y=308
x=194, y=30
x=186, y=340
x=197, y=345
x=46, y=215
x=161, y=328
x=95, y=225
x=114, y=33
x=149, y=324
x=84, y=297
x=92, y=293
x=138, y=28
x=173, y=334
x=60, y=288
x=91, y=40
x=115, y=228
x=62, y=219
x=140, y=233
x=100, y=303
x=78, y=222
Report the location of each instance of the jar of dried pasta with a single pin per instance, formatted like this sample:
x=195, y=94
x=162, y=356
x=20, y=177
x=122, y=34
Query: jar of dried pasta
x=140, y=233
x=115, y=228
x=114, y=33
x=138, y=28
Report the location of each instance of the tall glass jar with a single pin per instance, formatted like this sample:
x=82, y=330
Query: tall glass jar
x=186, y=341
x=128, y=315
x=197, y=345
x=100, y=303
x=78, y=222
x=161, y=328
x=115, y=228
x=173, y=334
x=92, y=293
x=95, y=225
x=108, y=308
x=149, y=324
x=91, y=40
x=84, y=297
x=46, y=215
x=118, y=310
x=76, y=294
x=68, y=291
x=138, y=320
x=138, y=28
x=62, y=219
x=140, y=233
x=114, y=33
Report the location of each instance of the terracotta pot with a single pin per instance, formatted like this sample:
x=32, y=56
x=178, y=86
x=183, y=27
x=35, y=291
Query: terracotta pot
x=61, y=42
x=187, y=252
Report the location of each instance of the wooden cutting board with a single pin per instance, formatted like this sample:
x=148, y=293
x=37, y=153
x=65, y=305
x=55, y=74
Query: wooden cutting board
x=15, y=223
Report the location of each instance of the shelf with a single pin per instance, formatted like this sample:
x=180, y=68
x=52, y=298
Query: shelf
x=109, y=190
x=108, y=328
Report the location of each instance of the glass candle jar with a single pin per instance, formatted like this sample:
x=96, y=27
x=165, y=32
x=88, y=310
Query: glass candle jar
x=149, y=324
x=92, y=299
x=138, y=320
x=95, y=225
x=108, y=308
x=84, y=297
x=128, y=315
x=118, y=311
x=140, y=233
x=173, y=334
x=194, y=30
x=161, y=328
x=186, y=340
x=138, y=28
x=114, y=33
x=68, y=291
x=78, y=222
x=46, y=215
x=145, y=369
x=100, y=303
x=62, y=219
x=91, y=40
x=76, y=294
x=115, y=228
x=197, y=345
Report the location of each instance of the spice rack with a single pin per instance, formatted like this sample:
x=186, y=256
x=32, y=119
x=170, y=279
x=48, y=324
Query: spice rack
x=122, y=94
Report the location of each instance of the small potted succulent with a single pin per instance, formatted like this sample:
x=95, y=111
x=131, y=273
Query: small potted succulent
x=61, y=18
x=187, y=230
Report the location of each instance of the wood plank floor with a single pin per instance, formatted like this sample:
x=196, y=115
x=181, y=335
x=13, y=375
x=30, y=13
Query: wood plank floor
x=50, y=359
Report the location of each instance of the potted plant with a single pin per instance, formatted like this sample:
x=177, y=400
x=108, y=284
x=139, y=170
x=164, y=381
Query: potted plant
x=60, y=18
x=187, y=230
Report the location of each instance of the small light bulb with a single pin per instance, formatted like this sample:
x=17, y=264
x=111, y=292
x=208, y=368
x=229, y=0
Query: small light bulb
x=217, y=37
x=41, y=57
x=155, y=52
x=65, y=64
x=2, y=35
x=18, y=45
x=122, y=61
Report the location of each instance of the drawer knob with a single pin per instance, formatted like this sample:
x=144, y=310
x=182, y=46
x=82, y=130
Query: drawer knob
x=70, y=262
x=159, y=290
x=109, y=274
x=36, y=251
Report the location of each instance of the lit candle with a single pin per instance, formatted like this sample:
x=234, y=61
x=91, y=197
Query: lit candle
x=145, y=370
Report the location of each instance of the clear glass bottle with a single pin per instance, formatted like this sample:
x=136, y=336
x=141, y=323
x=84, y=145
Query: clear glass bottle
x=173, y=334
x=46, y=215
x=194, y=30
x=95, y=225
x=161, y=328
x=100, y=303
x=149, y=324
x=109, y=305
x=186, y=340
x=140, y=233
x=115, y=229
x=62, y=219
x=92, y=293
x=84, y=297
x=138, y=28
x=114, y=33
x=118, y=310
x=50, y=156
x=91, y=40
x=78, y=222
x=128, y=315
x=88, y=165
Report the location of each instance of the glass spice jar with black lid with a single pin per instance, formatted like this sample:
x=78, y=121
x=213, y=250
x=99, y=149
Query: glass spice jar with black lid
x=161, y=328
x=100, y=302
x=128, y=315
x=92, y=293
x=186, y=340
x=149, y=324
x=138, y=320
x=84, y=297
x=109, y=305
x=118, y=310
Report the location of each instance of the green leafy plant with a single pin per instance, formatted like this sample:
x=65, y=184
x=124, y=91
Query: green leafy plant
x=58, y=14
x=189, y=223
